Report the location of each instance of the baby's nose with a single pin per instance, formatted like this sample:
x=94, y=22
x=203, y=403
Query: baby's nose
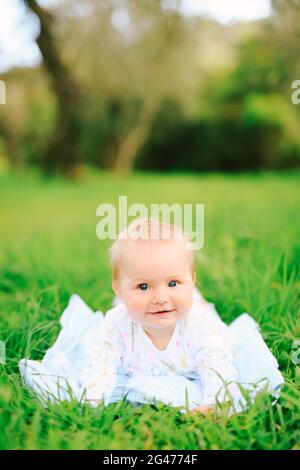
x=160, y=298
x=159, y=301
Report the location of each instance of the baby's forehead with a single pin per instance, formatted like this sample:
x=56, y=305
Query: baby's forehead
x=161, y=246
x=163, y=256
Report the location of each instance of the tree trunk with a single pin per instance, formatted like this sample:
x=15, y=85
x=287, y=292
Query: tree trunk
x=132, y=142
x=62, y=153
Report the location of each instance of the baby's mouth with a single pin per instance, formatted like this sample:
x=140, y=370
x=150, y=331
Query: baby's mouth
x=162, y=312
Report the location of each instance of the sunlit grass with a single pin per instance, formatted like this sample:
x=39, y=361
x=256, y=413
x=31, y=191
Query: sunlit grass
x=49, y=250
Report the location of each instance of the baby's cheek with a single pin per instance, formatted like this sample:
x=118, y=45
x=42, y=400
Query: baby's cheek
x=140, y=304
x=136, y=304
x=184, y=298
x=184, y=302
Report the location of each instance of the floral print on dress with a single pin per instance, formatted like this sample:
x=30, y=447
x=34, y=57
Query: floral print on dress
x=199, y=347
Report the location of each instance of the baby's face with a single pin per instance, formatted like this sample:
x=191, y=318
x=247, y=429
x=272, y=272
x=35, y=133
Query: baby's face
x=156, y=283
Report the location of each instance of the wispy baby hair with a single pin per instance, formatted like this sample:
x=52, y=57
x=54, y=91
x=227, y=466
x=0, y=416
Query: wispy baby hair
x=146, y=228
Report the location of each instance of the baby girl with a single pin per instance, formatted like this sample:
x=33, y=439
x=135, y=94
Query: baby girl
x=159, y=328
x=160, y=341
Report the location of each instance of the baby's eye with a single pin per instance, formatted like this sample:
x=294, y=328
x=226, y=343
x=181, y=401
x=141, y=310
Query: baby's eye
x=143, y=286
x=172, y=283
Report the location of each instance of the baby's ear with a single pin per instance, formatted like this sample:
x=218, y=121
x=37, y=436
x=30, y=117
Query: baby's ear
x=194, y=278
x=116, y=289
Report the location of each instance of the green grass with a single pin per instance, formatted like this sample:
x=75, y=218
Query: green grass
x=49, y=250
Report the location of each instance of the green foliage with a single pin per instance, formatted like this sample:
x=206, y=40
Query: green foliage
x=166, y=92
x=246, y=119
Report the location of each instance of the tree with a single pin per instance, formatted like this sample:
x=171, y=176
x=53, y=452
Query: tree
x=62, y=153
x=135, y=64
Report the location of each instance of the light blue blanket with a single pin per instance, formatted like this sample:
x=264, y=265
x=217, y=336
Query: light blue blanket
x=56, y=377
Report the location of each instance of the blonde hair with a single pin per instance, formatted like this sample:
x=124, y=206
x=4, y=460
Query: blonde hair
x=141, y=229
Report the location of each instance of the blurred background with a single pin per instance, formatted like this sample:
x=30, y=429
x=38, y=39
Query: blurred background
x=164, y=101
x=164, y=85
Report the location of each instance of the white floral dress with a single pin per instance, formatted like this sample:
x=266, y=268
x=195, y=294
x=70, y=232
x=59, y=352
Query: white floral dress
x=98, y=356
x=200, y=348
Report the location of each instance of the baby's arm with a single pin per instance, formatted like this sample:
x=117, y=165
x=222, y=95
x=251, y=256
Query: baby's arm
x=213, y=361
x=99, y=375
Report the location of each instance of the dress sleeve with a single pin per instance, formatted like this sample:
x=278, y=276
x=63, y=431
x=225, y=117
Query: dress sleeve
x=213, y=359
x=99, y=374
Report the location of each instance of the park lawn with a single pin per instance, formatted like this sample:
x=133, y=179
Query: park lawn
x=49, y=250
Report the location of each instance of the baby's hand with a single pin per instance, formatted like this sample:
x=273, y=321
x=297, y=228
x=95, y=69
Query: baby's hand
x=205, y=410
